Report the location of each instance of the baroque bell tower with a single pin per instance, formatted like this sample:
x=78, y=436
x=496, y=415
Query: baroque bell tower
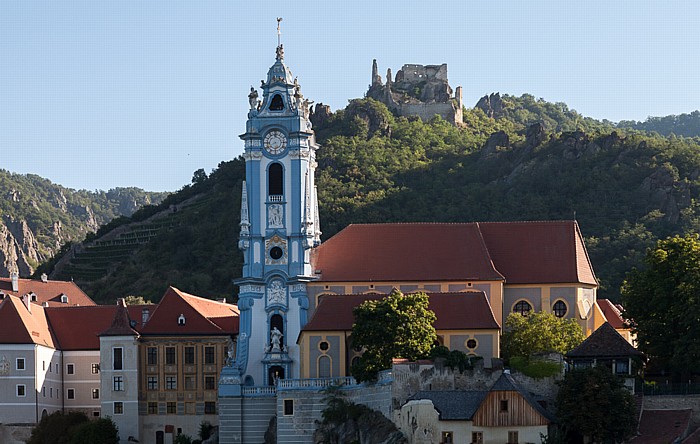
x=279, y=226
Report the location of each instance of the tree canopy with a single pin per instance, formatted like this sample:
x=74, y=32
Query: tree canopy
x=539, y=332
x=596, y=404
x=662, y=302
x=396, y=326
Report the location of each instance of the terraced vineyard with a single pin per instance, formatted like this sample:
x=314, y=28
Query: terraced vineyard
x=99, y=258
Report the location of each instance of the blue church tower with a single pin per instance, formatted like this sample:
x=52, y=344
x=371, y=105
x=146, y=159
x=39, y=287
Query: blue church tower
x=279, y=226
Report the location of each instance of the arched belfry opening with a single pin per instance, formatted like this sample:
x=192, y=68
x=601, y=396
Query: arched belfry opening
x=277, y=104
x=275, y=177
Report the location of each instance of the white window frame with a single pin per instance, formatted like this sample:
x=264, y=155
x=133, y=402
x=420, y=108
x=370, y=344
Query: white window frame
x=24, y=364
x=70, y=393
x=114, y=407
x=24, y=389
x=114, y=354
x=95, y=391
x=70, y=369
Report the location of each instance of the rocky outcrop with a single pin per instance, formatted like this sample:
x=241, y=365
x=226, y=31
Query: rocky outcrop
x=496, y=140
x=320, y=115
x=377, y=123
x=369, y=428
x=666, y=192
x=535, y=135
x=491, y=105
x=17, y=248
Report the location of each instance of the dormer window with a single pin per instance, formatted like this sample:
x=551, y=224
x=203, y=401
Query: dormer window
x=2, y=295
x=181, y=319
x=64, y=299
x=32, y=297
x=277, y=104
x=145, y=313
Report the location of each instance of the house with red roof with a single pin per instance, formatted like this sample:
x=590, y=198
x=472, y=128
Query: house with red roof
x=44, y=291
x=152, y=368
x=160, y=364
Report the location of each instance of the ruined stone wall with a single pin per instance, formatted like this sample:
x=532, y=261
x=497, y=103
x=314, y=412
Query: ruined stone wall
x=427, y=111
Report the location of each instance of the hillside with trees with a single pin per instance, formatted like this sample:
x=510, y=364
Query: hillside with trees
x=38, y=217
x=525, y=160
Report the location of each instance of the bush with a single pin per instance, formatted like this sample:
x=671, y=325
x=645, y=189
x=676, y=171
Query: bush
x=57, y=428
x=535, y=368
x=100, y=431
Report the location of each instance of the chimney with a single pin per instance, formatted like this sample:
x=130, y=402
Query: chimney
x=121, y=302
x=27, y=303
x=44, y=278
x=222, y=300
x=15, y=281
x=45, y=304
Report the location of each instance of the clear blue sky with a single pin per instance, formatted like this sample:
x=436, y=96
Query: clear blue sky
x=99, y=94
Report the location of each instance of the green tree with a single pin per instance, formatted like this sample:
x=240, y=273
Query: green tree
x=396, y=326
x=539, y=332
x=57, y=428
x=100, y=431
x=596, y=404
x=199, y=176
x=662, y=302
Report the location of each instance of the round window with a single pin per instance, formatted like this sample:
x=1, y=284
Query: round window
x=559, y=309
x=471, y=343
x=323, y=345
x=522, y=307
x=276, y=253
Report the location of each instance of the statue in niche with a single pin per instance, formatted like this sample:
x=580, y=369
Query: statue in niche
x=253, y=98
x=276, y=293
x=274, y=215
x=275, y=340
x=230, y=353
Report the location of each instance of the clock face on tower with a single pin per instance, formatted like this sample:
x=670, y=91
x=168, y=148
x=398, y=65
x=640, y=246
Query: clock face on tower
x=275, y=142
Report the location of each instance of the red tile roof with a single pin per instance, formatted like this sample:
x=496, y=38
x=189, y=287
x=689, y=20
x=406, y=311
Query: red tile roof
x=662, y=426
x=613, y=313
x=538, y=252
x=454, y=311
x=21, y=326
x=405, y=252
x=77, y=328
x=522, y=252
x=202, y=316
x=49, y=291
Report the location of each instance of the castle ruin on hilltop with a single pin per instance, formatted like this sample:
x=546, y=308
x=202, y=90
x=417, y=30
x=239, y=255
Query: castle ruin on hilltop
x=418, y=90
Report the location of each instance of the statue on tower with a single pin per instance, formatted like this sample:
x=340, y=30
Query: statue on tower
x=253, y=98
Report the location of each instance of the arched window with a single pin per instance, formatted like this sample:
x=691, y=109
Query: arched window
x=275, y=178
x=324, y=367
x=522, y=307
x=559, y=309
x=277, y=104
